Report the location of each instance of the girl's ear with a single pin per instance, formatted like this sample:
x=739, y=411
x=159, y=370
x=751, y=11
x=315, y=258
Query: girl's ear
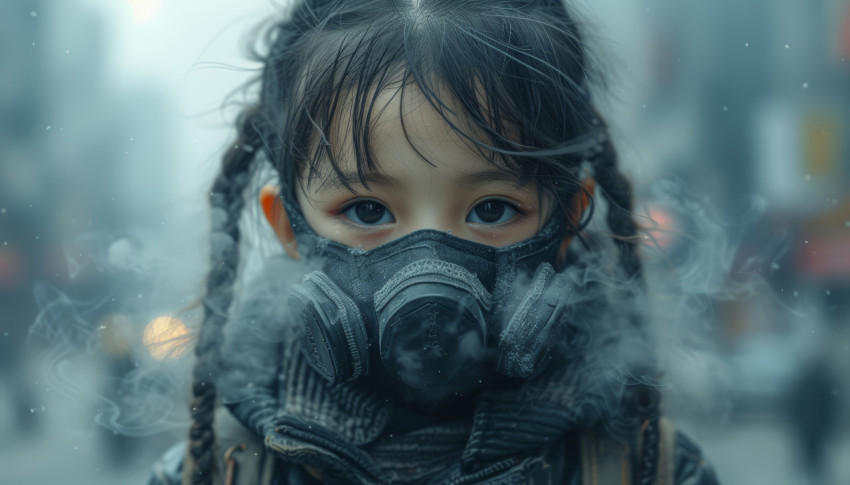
x=276, y=215
x=580, y=202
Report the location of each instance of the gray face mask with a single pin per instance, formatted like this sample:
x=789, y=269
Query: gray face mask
x=432, y=316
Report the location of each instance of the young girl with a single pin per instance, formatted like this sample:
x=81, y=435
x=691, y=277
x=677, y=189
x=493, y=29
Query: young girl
x=453, y=320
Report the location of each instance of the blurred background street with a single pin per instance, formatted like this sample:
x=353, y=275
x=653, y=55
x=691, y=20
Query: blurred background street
x=732, y=117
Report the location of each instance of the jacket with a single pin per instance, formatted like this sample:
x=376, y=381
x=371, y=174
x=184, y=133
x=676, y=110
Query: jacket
x=587, y=458
x=283, y=424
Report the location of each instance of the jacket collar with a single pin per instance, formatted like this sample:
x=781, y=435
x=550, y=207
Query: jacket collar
x=341, y=427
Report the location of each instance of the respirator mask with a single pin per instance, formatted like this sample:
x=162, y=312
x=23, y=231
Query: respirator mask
x=432, y=316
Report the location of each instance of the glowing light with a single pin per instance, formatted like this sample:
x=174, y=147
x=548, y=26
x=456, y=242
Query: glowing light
x=144, y=10
x=663, y=227
x=166, y=338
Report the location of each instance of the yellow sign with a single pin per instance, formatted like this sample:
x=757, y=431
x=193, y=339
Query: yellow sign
x=822, y=145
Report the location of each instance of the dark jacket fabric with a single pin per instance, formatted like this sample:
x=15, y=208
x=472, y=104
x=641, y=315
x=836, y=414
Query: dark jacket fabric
x=350, y=435
x=558, y=463
x=280, y=420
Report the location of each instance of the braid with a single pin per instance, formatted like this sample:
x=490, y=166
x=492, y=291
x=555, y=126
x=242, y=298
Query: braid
x=645, y=398
x=649, y=457
x=226, y=195
x=618, y=191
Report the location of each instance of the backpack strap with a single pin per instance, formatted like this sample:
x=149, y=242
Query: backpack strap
x=666, y=450
x=607, y=461
x=241, y=455
x=604, y=460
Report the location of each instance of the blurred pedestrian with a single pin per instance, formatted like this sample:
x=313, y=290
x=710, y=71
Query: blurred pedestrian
x=812, y=408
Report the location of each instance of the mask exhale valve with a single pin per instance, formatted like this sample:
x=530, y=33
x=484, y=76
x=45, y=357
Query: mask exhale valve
x=433, y=330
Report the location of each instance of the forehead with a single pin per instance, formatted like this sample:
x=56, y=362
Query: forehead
x=403, y=132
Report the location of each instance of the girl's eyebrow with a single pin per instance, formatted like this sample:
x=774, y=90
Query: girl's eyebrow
x=491, y=175
x=352, y=179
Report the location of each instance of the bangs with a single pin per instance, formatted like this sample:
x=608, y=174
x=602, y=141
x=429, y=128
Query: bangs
x=513, y=82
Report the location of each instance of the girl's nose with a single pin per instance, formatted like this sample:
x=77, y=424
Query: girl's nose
x=435, y=222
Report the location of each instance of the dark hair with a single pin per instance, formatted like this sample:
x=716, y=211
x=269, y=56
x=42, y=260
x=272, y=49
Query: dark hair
x=518, y=70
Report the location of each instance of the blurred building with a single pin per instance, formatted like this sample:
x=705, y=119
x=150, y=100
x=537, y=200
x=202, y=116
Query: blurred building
x=760, y=91
x=83, y=163
x=27, y=188
x=747, y=102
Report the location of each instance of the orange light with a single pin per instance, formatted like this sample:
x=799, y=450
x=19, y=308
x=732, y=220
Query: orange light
x=662, y=226
x=166, y=338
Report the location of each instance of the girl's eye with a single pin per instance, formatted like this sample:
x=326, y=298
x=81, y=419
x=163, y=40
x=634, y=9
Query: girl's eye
x=493, y=211
x=368, y=213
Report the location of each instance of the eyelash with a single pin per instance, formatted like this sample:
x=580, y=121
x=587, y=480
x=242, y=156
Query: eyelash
x=356, y=225
x=341, y=214
x=509, y=205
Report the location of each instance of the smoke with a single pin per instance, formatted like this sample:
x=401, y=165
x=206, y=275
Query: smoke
x=694, y=268
x=691, y=262
x=618, y=330
x=94, y=333
x=251, y=350
x=661, y=332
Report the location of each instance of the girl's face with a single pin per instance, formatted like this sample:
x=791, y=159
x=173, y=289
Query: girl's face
x=458, y=192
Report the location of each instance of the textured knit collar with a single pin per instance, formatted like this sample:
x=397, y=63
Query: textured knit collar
x=349, y=419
